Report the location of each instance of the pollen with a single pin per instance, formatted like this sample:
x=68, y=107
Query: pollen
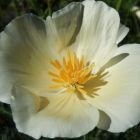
x=71, y=73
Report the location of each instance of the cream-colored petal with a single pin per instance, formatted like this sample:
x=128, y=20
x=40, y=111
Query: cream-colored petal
x=63, y=116
x=99, y=34
x=122, y=32
x=64, y=25
x=24, y=54
x=120, y=97
x=5, y=87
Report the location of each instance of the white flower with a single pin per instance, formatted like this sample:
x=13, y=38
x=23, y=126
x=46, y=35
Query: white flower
x=67, y=75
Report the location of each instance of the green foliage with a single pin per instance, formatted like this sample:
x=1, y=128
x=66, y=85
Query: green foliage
x=12, y=8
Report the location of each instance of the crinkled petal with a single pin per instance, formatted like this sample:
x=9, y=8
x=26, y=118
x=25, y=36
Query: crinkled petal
x=64, y=25
x=122, y=32
x=120, y=97
x=24, y=53
x=64, y=115
x=100, y=32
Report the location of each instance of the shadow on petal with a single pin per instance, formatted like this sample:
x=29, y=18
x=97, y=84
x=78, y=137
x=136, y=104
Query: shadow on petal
x=104, y=121
x=93, y=85
x=115, y=60
x=29, y=100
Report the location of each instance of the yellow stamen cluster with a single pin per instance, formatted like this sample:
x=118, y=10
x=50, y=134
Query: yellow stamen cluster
x=72, y=73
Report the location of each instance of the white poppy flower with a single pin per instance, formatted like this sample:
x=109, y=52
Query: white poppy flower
x=67, y=75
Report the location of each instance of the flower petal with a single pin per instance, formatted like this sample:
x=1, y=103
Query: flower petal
x=98, y=37
x=65, y=24
x=64, y=115
x=120, y=97
x=5, y=87
x=23, y=48
x=122, y=32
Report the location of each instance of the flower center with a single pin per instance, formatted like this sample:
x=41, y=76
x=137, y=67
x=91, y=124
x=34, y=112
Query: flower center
x=71, y=73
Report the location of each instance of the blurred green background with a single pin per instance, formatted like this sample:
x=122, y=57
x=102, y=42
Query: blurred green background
x=12, y=8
